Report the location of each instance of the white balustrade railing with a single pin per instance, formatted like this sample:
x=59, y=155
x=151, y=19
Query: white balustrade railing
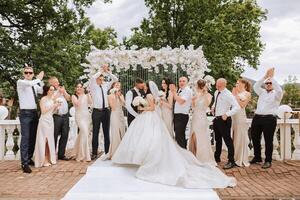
x=282, y=150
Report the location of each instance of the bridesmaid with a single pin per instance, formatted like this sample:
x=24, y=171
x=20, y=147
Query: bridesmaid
x=200, y=144
x=242, y=93
x=44, y=146
x=81, y=102
x=167, y=105
x=117, y=121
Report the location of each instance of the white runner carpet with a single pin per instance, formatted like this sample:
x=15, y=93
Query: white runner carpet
x=105, y=181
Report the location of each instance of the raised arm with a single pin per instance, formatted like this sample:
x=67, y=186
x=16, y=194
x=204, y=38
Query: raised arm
x=113, y=79
x=128, y=100
x=257, y=86
x=278, y=90
x=75, y=101
x=28, y=83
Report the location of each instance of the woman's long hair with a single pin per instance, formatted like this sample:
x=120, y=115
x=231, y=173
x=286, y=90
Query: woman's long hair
x=168, y=82
x=46, y=88
x=247, y=84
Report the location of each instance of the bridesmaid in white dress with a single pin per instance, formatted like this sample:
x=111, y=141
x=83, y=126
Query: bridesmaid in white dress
x=167, y=105
x=44, y=146
x=242, y=93
x=200, y=144
x=81, y=101
x=117, y=121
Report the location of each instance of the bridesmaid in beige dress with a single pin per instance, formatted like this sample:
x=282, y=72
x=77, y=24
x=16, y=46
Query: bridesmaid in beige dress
x=44, y=146
x=117, y=121
x=167, y=105
x=81, y=102
x=199, y=143
x=242, y=93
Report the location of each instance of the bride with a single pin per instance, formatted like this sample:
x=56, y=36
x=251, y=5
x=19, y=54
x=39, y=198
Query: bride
x=148, y=144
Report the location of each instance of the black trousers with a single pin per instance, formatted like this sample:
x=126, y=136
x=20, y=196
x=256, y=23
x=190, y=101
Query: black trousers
x=222, y=129
x=29, y=122
x=99, y=117
x=265, y=124
x=180, y=122
x=61, y=127
x=130, y=118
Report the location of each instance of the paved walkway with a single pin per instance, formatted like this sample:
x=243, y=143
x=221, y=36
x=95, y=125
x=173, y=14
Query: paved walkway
x=282, y=181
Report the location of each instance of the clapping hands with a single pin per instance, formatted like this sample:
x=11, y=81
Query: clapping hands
x=270, y=73
x=40, y=75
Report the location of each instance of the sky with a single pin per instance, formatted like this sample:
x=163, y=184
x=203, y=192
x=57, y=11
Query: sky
x=280, y=32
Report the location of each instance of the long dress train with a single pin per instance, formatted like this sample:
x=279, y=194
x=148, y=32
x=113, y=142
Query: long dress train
x=147, y=143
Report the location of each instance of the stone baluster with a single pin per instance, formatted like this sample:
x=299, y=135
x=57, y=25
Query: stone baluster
x=285, y=141
x=2, y=142
x=9, y=155
x=275, y=155
x=296, y=153
x=18, y=156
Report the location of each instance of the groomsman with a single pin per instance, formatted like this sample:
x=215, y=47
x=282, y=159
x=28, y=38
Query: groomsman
x=61, y=118
x=183, y=100
x=99, y=90
x=264, y=119
x=27, y=91
x=130, y=95
x=225, y=105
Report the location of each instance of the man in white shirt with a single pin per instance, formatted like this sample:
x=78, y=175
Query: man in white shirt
x=225, y=105
x=27, y=91
x=183, y=100
x=265, y=120
x=130, y=95
x=99, y=91
x=61, y=118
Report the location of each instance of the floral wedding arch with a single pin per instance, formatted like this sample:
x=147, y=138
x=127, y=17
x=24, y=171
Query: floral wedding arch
x=190, y=60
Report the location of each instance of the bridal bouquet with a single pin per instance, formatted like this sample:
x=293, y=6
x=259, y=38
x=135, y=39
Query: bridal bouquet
x=139, y=101
x=161, y=94
x=59, y=100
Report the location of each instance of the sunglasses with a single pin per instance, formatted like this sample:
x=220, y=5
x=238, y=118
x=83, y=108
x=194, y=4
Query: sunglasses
x=28, y=72
x=268, y=83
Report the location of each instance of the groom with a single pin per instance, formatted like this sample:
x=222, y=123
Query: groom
x=130, y=95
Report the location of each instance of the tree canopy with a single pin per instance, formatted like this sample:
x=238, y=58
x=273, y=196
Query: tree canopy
x=228, y=30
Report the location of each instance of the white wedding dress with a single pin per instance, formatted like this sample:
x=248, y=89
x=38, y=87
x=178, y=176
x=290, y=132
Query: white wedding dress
x=148, y=144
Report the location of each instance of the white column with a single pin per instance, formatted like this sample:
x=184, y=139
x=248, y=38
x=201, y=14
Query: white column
x=9, y=155
x=275, y=155
x=285, y=141
x=2, y=142
x=296, y=153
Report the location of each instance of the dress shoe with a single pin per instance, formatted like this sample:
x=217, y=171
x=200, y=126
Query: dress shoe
x=266, y=165
x=31, y=162
x=229, y=165
x=64, y=158
x=94, y=156
x=255, y=161
x=217, y=159
x=26, y=169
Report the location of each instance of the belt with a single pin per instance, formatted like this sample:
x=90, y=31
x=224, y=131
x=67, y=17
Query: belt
x=265, y=115
x=31, y=110
x=220, y=117
x=100, y=109
x=61, y=115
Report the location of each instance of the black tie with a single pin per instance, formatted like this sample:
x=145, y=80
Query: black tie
x=216, y=101
x=34, y=94
x=103, y=100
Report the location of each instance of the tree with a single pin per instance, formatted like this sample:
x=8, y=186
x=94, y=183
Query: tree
x=228, y=30
x=291, y=94
x=51, y=35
